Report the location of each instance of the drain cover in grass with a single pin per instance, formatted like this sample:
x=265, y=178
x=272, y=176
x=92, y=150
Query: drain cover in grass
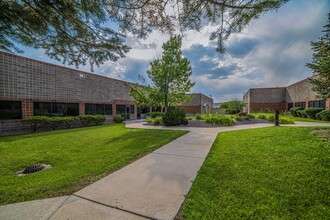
x=33, y=169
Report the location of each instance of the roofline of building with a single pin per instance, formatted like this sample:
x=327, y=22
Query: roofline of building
x=62, y=67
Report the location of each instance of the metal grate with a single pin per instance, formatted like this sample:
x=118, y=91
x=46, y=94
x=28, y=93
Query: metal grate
x=34, y=168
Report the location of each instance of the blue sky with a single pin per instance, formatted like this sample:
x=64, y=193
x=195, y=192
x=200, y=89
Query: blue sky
x=272, y=51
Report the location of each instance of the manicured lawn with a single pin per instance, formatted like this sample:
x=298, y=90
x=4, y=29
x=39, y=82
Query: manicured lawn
x=268, y=173
x=78, y=156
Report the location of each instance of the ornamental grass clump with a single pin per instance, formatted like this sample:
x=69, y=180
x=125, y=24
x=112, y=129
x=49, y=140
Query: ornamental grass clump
x=218, y=120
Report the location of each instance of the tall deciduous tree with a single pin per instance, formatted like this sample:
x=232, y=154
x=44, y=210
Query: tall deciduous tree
x=320, y=64
x=170, y=76
x=74, y=31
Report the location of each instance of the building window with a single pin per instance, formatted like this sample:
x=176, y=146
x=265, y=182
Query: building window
x=10, y=110
x=316, y=104
x=55, y=109
x=120, y=110
x=132, y=109
x=98, y=109
x=290, y=105
x=300, y=104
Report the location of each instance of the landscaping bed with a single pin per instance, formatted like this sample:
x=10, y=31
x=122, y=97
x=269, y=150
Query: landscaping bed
x=78, y=157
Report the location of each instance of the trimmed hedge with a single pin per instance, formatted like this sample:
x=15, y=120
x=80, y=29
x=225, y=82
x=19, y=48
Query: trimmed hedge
x=323, y=115
x=311, y=112
x=174, y=116
x=250, y=116
x=301, y=113
x=37, y=122
x=282, y=120
x=118, y=119
x=294, y=110
x=261, y=116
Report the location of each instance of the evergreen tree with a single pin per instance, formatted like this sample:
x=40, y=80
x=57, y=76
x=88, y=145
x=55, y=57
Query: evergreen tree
x=170, y=76
x=320, y=63
x=75, y=32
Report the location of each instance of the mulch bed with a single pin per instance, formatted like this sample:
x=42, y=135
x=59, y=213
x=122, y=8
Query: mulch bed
x=203, y=124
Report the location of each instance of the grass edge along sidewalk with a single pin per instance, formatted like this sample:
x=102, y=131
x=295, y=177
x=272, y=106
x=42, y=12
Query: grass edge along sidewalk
x=78, y=157
x=276, y=172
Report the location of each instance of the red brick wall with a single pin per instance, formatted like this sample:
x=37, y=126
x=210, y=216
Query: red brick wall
x=259, y=107
x=191, y=109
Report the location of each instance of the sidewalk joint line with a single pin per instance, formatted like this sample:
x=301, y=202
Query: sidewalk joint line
x=114, y=207
x=58, y=207
x=178, y=155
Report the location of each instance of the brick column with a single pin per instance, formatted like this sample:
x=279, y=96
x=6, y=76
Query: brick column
x=114, y=109
x=27, y=108
x=81, y=108
x=327, y=104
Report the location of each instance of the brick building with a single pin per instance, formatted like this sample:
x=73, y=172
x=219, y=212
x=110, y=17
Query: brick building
x=29, y=87
x=299, y=94
x=199, y=104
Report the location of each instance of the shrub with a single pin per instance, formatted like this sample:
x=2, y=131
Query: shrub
x=311, y=112
x=155, y=114
x=242, y=113
x=70, y=121
x=118, y=119
x=185, y=121
x=218, y=120
x=250, y=116
x=286, y=120
x=301, y=113
x=282, y=120
x=36, y=122
x=294, y=110
x=174, y=116
x=55, y=122
x=236, y=117
x=190, y=118
x=87, y=120
x=324, y=115
x=199, y=117
x=261, y=116
x=158, y=120
x=318, y=116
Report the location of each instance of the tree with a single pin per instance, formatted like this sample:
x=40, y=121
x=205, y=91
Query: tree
x=320, y=64
x=68, y=31
x=234, y=106
x=170, y=78
x=74, y=31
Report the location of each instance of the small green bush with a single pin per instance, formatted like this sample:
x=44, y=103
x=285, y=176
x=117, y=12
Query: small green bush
x=158, y=120
x=190, y=118
x=250, y=116
x=70, y=121
x=236, y=117
x=199, y=117
x=311, y=112
x=301, y=113
x=218, y=119
x=155, y=114
x=323, y=115
x=174, y=116
x=55, y=122
x=118, y=119
x=285, y=120
x=282, y=120
x=294, y=110
x=36, y=122
x=261, y=116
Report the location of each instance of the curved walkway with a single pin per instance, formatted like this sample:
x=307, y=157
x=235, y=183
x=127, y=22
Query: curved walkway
x=153, y=187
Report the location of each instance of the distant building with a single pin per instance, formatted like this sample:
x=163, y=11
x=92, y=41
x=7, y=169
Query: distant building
x=30, y=87
x=299, y=94
x=200, y=104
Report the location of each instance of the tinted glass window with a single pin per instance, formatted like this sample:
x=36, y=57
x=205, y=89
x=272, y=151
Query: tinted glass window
x=99, y=108
x=132, y=109
x=42, y=108
x=10, y=110
x=72, y=109
x=310, y=104
x=322, y=104
x=108, y=109
x=120, y=109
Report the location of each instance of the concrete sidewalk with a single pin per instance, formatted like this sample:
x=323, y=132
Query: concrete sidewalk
x=153, y=187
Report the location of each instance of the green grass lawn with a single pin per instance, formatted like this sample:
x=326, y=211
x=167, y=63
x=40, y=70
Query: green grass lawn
x=268, y=173
x=78, y=156
x=293, y=118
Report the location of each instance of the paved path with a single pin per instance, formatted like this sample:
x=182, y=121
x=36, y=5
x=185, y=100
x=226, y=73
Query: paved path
x=153, y=187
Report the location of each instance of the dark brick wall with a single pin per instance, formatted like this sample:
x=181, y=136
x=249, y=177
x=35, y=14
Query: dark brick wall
x=200, y=104
x=262, y=107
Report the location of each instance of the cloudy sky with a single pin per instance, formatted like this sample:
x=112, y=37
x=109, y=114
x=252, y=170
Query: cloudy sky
x=272, y=51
